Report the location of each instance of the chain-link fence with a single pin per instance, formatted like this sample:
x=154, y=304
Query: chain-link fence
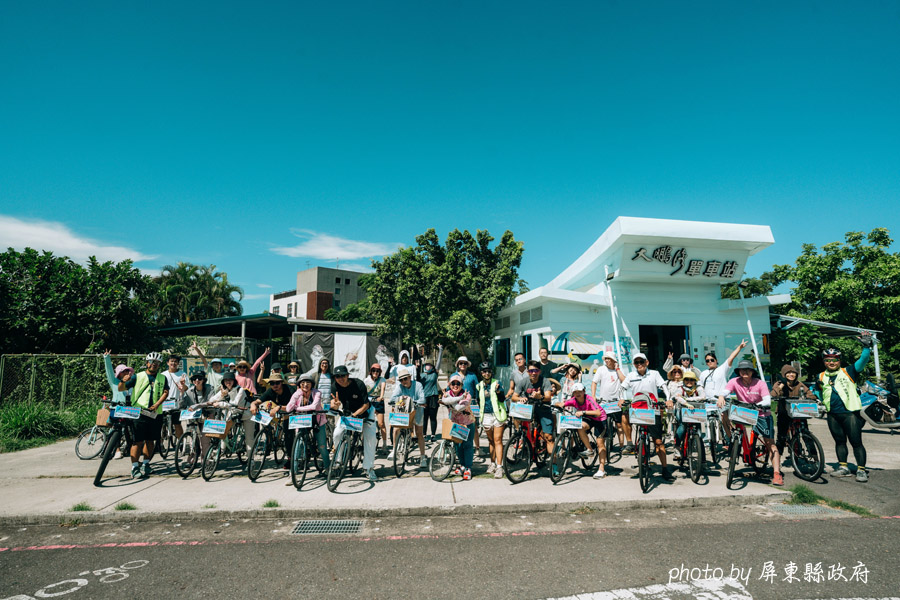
x=58, y=379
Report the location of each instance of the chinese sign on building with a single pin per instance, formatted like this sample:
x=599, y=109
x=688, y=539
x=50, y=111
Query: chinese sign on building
x=690, y=267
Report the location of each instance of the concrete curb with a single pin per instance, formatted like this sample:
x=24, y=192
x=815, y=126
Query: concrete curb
x=359, y=513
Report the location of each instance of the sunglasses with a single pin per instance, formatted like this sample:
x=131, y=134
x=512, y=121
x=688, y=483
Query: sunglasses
x=375, y=370
x=640, y=362
x=534, y=370
x=709, y=360
x=274, y=383
x=455, y=383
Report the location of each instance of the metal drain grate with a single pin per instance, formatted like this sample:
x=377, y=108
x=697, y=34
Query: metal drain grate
x=326, y=527
x=803, y=509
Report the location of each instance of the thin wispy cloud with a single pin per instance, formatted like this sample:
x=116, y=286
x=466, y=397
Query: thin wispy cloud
x=255, y=296
x=61, y=240
x=357, y=268
x=330, y=247
x=263, y=285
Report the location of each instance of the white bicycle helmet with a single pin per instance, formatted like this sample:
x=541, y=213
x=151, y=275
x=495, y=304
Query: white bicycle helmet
x=154, y=357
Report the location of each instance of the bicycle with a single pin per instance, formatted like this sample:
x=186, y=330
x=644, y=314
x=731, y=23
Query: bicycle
x=610, y=429
x=269, y=439
x=692, y=448
x=641, y=422
x=525, y=446
x=403, y=445
x=807, y=456
x=92, y=441
x=348, y=453
x=167, y=438
x=118, y=420
x=715, y=430
x=187, y=447
x=443, y=457
x=305, y=448
x=232, y=439
x=568, y=447
x=749, y=447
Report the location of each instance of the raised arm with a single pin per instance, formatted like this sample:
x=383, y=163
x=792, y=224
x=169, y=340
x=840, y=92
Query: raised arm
x=737, y=351
x=259, y=360
x=201, y=355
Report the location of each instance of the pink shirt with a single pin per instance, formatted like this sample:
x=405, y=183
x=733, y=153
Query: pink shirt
x=752, y=394
x=589, y=404
x=299, y=403
x=248, y=382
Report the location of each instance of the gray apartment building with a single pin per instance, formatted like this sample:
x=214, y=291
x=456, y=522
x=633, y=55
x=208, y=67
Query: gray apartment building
x=318, y=289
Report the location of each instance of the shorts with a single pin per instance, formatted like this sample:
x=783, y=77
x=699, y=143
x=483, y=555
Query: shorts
x=655, y=430
x=490, y=420
x=420, y=415
x=545, y=415
x=598, y=427
x=379, y=407
x=765, y=426
x=147, y=429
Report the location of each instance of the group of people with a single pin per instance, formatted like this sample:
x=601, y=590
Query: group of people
x=481, y=403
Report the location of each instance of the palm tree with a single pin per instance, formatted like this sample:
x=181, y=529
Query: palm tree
x=189, y=292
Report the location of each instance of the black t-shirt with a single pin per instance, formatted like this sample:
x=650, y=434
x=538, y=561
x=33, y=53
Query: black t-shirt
x=352, y=397
x=545, y=371
x=279, y=399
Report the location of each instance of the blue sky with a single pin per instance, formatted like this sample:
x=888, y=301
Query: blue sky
x=264, y=137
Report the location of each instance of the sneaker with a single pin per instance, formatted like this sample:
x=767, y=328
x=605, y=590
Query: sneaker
x=370, y=474
x=135, y=471
x=841, y=472
x=390, y=456
x=600, y=474
x=119, y=455
x=457, y=471
x=555, y=470
x=145, y=470
x=286, y=465
x=862, y=476
x=778, y=479
x=423, y=463
x=492, y=468
x=498, y=472
x=629, y=449
x=586, y=453
x=467, y=475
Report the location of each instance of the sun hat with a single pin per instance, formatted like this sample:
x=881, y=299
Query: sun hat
x=275, y=377
x=229, y=375
x=610, y=355
x=462, y=359
x=403, y=372
x=456, y=377
x=689, y=374
x=671, y=374
x=305, y=377
x=122, y=369
x=639, y=355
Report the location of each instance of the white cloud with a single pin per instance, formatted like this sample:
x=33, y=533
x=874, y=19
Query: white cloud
x=357, y=268
x=59, y=239
x=263, y=285
x=330, y=247
x=255, y=296
x=151, y=272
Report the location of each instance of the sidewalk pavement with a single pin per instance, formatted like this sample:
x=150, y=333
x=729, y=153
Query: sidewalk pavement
x=42, y=485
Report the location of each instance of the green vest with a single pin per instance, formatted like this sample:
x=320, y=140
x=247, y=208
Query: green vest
x=143, y=395
x=499, y=407
x=846, y=388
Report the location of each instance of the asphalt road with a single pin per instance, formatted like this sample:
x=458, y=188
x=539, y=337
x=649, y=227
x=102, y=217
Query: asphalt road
x=652, y=553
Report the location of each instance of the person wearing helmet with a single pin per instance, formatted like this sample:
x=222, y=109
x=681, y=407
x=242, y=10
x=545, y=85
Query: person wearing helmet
x=149, y=389
x=375, y=385
x=836, y=387
x=492, y=418
x=750, y=389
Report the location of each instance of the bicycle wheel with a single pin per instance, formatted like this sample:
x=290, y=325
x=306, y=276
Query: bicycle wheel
x=339, y=464
x=588, y=463
x=733, y=459
x=329, y=434
x=695, y=456
x=166, y=438
x=90, y=443
x=186, y=449
x=608, y=439
x=211, y=459
x=279, y=452
x=108, y=453
x=559, y=459
x=356, y=452
x=401, y=452
x=259, y=452
x=517, y=457
x=442, y=460
x=712, y=430
x=807, y=456
x=299, y=461
x=238, y=442
x=644, y=462
x=759, y=454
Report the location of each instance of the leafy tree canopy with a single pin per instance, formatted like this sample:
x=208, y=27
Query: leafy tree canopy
x=433, y=293
x=189, y=292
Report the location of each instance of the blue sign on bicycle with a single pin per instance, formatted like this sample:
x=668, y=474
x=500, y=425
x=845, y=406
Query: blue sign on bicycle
x=568, y=422
x=261, y=417
x=169, y=405
x=693, y=415
x=459, y=432
x=300, y=422
x=747, y=416
x=214, y=426
x=642, y=416
x=127, y=412
x=476, y=410
x=398, y=419
x=522, y=411
x=611, y=408
x=188, y=415
x=712, y=407
x=352, y=423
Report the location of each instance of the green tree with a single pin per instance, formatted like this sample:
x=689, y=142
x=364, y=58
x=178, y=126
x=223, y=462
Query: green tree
x=52, y=304
x=449, y=293
x=855, y=282
x=358, y=312
x=189, y=292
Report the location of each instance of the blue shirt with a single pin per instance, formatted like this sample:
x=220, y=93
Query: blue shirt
x=470, y=382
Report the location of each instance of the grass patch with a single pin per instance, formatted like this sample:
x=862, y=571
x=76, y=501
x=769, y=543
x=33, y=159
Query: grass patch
x=69, y=522
x=209, y=506
x=26, y=425
x=801, y=494
x=584, y=510
x=271, y=504
x=82, y=507
x=125, y=506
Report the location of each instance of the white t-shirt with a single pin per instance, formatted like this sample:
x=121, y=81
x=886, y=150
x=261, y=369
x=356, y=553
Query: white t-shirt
x=648, y=383
x=713, y=380
x=608, y=385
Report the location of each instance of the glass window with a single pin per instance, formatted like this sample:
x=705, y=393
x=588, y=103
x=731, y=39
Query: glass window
x=346, y=282
x=337, y=291
x=501, y=353
x=337, y=304
x=290, y=310
x=275, y=310
x=337, y=279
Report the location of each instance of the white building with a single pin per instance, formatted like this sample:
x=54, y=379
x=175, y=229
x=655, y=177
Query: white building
x=661, y=278
x=318, y=289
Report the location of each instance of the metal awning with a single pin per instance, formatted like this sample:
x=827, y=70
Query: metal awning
x=785, y=322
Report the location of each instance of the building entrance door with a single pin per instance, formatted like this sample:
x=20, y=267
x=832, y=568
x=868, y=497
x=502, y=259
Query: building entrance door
x=658, y=340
